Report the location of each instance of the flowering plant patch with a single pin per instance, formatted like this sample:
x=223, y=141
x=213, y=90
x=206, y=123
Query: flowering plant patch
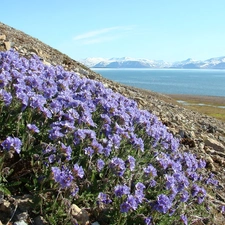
x=92, y=147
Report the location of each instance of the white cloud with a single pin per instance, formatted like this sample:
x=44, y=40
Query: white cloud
x=102, y=35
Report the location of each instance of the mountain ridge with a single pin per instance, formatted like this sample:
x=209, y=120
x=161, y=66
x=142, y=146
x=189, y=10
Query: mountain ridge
x=128, y=62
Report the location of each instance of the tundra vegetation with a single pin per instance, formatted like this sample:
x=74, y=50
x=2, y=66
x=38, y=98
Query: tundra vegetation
x=69, y=140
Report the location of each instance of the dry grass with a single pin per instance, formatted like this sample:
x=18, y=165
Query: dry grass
x=208, y=105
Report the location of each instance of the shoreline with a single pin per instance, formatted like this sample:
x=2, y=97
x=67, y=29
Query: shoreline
x=209, y=105
x=211, y=100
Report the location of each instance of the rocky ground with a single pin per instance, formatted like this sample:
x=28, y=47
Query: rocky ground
x=199, y=134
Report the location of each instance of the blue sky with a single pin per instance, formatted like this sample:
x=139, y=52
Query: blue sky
x=170, y=30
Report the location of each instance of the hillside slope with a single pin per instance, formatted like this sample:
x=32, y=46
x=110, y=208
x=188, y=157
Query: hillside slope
x=199, y=134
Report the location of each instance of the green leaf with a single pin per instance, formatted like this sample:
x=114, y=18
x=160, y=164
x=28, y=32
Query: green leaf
x=4, y=190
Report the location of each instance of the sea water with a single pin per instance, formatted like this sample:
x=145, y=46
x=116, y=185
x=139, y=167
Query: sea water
x=170, y=81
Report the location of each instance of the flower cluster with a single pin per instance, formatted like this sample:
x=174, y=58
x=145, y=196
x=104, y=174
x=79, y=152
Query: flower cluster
x=93, y=139
x=11, y=143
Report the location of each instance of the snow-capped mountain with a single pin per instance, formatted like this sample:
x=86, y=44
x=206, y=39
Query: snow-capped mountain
x=127, y=62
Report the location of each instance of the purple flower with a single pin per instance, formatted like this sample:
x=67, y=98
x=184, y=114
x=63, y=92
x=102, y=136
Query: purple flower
x=62, y=176
x=115, y=139
x=198, y=192
x=132, y=202
x=192, y=175
x=118, y=166
x=137, y=142
x=89, y=151
x=55, y=133
x=121, y=190
x=97, y=146
x=181, y=181
x=201, y=163
x=12, y=143
x=131, y=161
x=106, y=118
x=194, y=190
x=81, y=134
x=201, y=195
x=152, y=183
x=100, y=164
x=164, y=160
x=124, y=207
x=74, y=190
x=222, y=208
x=184, y=196
x=103, y=198
x=191, y=161
x=37, y=101
x=78, y=171
x=139, y=195
x=66, y=150
x=150, y=170
x=7, y=97
x=184, y=219
x=33, y=128
x=140, y=186
x=148, y=221
x=211, y=180
x=52, y=158
x=163, y=204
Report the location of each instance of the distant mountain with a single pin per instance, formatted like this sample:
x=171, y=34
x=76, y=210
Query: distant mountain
x=127, y=62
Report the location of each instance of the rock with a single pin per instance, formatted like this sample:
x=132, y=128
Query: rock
x=22, y=216
x=5, y=207
x=7, y=45
x=140, y=101
x=20, y=223
x=221, y=138
x=189, y=142
x=46, y=63
x=214, y=144
x=80, y=215
x=24, y=202
x=2, y=37
x=182, y=133
x=39, y=220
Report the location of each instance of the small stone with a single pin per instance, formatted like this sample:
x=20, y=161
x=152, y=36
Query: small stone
x=211, y=167
x=221, y=138
x=7, y=45
x=209, y=159
x=46, y=63
x=34, y=50
x=2, y=37
x=182, y=133
x=79, y=214
x=5, y=207
x=24, y=202
x=214, y=144
x=20, y=223
x=201, y=146
x=39, y=220
x=22, y=216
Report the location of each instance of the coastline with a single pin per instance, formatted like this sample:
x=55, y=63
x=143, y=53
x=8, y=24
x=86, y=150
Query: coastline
x=210, y=105
x=212, y=100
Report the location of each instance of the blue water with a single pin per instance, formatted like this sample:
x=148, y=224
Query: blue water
x=170, y=81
